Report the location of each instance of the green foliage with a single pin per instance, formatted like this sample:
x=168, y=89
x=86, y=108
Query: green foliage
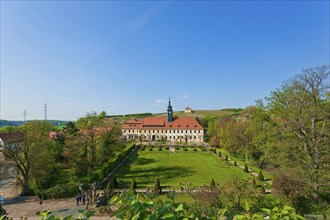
x=140, y=206
x=2, y=213
x=59, y=191
x=114, y=183
x=102, y=172
x=157, y=187
x=261, y=176
x=212, y=184
x=254, y=182
x=246, y=168
x=235, y=163
x=226, y=157
x=147, y=166
x=83, y=215
x=133, y=186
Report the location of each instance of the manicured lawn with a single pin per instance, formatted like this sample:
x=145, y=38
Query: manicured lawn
x=196, y=167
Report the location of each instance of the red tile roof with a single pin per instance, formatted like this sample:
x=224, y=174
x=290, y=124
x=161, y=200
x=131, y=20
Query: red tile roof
x=162, y=123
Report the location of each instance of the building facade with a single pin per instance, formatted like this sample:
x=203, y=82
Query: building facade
x=171, y=129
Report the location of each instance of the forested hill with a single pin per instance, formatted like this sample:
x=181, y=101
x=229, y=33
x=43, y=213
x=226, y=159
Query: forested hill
x=4, y=123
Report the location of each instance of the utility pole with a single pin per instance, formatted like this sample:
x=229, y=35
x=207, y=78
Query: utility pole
x=45, y=112
x=24, y=113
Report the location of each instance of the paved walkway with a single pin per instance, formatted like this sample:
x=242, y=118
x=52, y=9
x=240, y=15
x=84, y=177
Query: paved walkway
x=27, y=206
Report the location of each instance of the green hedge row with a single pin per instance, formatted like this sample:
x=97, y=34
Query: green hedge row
x=101, y=173
x=65, y=190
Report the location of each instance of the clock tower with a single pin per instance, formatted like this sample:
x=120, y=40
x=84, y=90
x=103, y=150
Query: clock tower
x=169, y=111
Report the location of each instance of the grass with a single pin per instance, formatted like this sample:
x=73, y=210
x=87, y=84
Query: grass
x=251, y=166
x=196, y=167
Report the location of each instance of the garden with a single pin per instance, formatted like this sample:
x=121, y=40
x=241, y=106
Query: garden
x=185, y=165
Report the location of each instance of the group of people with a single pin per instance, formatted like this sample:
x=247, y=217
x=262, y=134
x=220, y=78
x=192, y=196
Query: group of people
x=81, y=199
x=84, y=197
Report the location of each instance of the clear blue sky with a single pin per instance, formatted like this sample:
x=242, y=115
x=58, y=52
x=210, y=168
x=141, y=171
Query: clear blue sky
x=129, y=57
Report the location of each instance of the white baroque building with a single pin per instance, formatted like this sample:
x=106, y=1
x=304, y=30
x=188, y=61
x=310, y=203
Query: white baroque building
x=184, y=129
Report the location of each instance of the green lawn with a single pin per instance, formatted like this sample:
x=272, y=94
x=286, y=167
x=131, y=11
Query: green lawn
x=172, y=168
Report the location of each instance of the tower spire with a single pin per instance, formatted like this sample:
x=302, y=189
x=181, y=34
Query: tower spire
x=169, y=111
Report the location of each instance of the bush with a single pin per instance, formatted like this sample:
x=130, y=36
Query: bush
x=226, y=157
x=104, y=210
x=160, y=148
x=167, y=148
x=195, y=149
x=157, y=187
x=235, y=163
x=212, y=184
x=185, y=149
x=254, y=182
x=114, y=183
x=246, y=168
x=150, y=149
x=133, y=185
x=220, y=155
x=261, y=176
x=2, y=211
x=177, y=148
x=60, y=191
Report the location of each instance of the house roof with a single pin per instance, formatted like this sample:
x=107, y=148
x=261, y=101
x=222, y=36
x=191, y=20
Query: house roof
x=12, y=137
x=162, y=123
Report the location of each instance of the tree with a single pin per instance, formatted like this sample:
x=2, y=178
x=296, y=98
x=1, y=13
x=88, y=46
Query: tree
x=301, y=111
x=233, y=190
x=88, y=125
x=108, y=143
x=32, y=158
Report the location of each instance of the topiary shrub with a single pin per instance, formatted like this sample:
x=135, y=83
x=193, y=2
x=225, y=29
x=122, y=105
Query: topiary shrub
x=235, y=163
x=254, y=182
x=160, y=148
x=133, y=186
x=212, y=184
x=177, y=148
x=261, y=176
x=114, y=183
x=157, y=187
x=150, y=149
x=167, y=148
x=195, y=149
x=246, y=168
x=226, y=157
x=220, y=155
x=185, y=149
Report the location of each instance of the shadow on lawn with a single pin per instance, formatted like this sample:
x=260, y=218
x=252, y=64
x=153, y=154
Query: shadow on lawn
x=148, y=176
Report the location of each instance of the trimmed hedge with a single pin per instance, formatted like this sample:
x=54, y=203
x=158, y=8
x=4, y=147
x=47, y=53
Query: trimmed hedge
x=65, y=190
